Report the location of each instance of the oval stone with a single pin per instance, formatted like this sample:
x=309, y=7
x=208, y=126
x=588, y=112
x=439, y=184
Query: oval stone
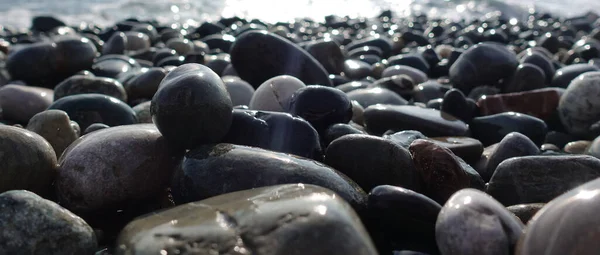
x=103, y=170
x=430, y=122
x=539, y=179
x=579, y=106
x=512, y=145
x=541, y=103
x=274, y=94
x=493, y=128
x=56, y=127
x=471, y=222
x=525, y=211
x=212, y=170
x=360, y=158
x=567, y=74
x=145, y=84
x=416, y=75
x=239, y=90
x=259, y=55
x=321, y=106
x=87, y=109
x=192, y=106
x=373, y=96
x=270, y=220
x=19, y=103
x=79, y=84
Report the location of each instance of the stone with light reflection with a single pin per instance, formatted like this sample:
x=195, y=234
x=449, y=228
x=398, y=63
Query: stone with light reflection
x=47, y=63
x=56, y=127
x=87, y=109
x=372, y=96
x=114, y=166
x=19, y=103
x=430, y=122
x=580, y=105
x=471, y=222
x=539, y=179
x=259, y=55
x=416, y=75
x=493, y=128
x=275, y=220
x=192, y=106
x=212, y=170
x=566, y=225
x=275, y=93
x=512, y=145
x=80, y=84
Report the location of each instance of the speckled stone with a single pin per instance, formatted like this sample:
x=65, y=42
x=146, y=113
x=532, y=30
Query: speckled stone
x=102, y=170
x=580, y=105
x=274, y=94
x=212, y=170
x=566, y=225
x=525, y=211
x=471, y=222
x=360, y=158
x=442, y=173
x=56, y=128
x=416, y=75
x=539, y=179
x=273, y=220
x=27, y=161
x=19, y=103
x=33, y=225
x=79, y=84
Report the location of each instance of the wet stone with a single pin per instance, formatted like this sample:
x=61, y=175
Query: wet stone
x=541, y=103
x=430, y=122
x=336, y=131
x=270, y=220
x=402, y=85
x=275, y=93
x=493, y=128
x=442, y=173
x=428, y=91
x=192, y=106
x=145, y=85
x=31, y=224
x=321, y=106
x=416, y=75
x=456, y=104
x=577, y=147
x=274, y=131
x=469, y=149
x=86, y=109
x=94, y=127
x=512, y=145
x=79, y=84
x=241, y=168
x=567, y=74
x=364, y=164
x=56, y=128
x=239, y=91
x=19, y=103
x=539, y=179
x=258, y=55
x=527, y=77
x=405, y=138
x=525, y=211
x=578, y=107
x=373, y=96
x=549, y=233
x=142, y=111
x=329, y=54
x=471, y=222
x=356, y=69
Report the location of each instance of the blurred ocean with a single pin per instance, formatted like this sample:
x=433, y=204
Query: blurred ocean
x=18, y=13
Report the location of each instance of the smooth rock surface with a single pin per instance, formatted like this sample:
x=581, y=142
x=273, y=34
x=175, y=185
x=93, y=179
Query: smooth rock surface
x=321, y=106
x=275, y=220
x=79, y=84
x=493, y=128
x=20, y=103
x=579, y=108
x=239, y=91
x=275, y=93
x=373, y=96
x=56, y=127
x=525, y=211
x=512, y=145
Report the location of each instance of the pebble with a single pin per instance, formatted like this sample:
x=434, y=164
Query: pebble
x=52, y=61
x=527, y=77
x=192, y=106
x=102, y=170
x=321, y=106
x=353, y=85
x=549, y=233
x=364, y=162
x=269, y=220
x=116, y=44
x=564, y=76
x=27, y=161
x=112, y=66
x=56, y=127
x=239, y=91
x=405, y=138
x=416, y=75
x=482, y=64
x=259, y=55
x=468, y=149
x=471, y=222
x=94, y=127
x=541, y=103
x=456, y=104
x=493, y=128
x=329, y=54
x=442, y=173
x=549, y=147
x=274, y=131
x=539, y=179
x=19, y=103
x=578, y=107
x=402, y=219
x=79, y=84
x=373, y=96
x=541, y=61
x=380, y=118
x=145, y=84
x=525, y=212
x=358, y=113
x=356, y=69
x=412, y=60
x=577, y=147
x=512, y=145
x=87, y=109
x=402, y=85
x=428, y=91
x=241, y=168
x=275, y=93
x=31, y=224
x=142, y=111
x=336, y=131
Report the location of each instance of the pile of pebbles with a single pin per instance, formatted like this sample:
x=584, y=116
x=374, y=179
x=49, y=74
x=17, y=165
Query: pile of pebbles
x=389, y=135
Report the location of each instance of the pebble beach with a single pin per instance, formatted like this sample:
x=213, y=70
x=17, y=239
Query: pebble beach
x=323, y=128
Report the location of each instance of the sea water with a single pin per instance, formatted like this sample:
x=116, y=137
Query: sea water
x=18, y=13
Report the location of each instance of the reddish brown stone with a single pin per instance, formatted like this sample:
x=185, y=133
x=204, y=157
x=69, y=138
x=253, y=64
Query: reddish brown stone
x=540, y=103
